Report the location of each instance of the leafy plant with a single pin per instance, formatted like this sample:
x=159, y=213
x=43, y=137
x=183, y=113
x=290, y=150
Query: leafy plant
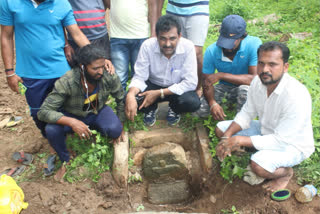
x=188, y=122
x=94, y=157
x=137, y=124
x=134, y=179
x=233, y=210
x=140, y=207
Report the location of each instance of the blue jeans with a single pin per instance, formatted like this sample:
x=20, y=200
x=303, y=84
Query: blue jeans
x=123, y=52
x=37, y=91
x=105, y=122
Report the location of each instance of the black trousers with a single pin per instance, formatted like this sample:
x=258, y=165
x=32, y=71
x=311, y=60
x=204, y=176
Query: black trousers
x=186, y=102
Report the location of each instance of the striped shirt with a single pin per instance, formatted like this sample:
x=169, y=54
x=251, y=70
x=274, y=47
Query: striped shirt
x=90, y=16
x=188, y=7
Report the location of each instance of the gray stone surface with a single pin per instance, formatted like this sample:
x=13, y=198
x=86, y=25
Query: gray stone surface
x=169, y=192
x=157, y=136
x=167, y=160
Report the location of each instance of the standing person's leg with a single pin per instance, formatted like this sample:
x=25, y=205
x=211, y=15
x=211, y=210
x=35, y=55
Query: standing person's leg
x=196, y=29
x=135, y=45
x=120, y=58
x=37, y=91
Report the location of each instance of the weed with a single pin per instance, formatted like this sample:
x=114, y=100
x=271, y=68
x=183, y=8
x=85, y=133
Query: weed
x=134, y=179
x=94, y=157
x=137, y=124
x=188, y=122
x=140, y=207
x=233, y=210
x=130, y=162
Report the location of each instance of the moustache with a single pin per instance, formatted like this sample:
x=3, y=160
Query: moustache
x=265, y=73
x=167, y=46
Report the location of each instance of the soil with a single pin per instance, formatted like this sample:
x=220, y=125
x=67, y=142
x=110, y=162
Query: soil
x=44, y=195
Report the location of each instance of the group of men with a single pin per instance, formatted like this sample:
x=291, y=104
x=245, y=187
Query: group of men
x=168, y=66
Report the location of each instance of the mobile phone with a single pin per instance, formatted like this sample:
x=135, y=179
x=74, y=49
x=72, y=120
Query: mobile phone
x=139, y=100
x=22, y=88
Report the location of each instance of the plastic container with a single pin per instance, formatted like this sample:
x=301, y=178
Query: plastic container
x=11, y=196
x=306, y=193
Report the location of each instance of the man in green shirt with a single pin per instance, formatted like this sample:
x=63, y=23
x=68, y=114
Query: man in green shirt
x=77, y=103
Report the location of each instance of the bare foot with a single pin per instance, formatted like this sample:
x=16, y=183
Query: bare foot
x=279, y=183
x=60, y=174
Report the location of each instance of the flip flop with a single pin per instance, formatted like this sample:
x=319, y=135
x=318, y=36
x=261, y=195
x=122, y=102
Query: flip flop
x=14, y=121
x=281, y=195
x=21, y=157
x=49, y=166
x=14, y=171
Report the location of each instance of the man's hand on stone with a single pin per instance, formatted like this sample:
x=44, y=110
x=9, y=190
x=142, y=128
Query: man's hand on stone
x=150, y=97
x=131, y=107
x=109, y=67
x=217, y=112
x=13, y=82
x=81, y=129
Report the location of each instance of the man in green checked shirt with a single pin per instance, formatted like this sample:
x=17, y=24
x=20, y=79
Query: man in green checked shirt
x=77, y=104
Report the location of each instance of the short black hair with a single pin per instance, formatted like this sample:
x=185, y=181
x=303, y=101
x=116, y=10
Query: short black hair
x=89, y=53
x=166, y=22
x=273, y=45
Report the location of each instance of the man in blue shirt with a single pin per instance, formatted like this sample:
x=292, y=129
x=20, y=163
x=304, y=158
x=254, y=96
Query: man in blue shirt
x=36, y=26
x=234, y=56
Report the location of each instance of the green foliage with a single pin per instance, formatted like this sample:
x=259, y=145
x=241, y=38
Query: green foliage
x=233, y=210
x=134, y=179
x=94, y=157
x=137, y=124
x=309, y=171
x=140, y=207
x=235, y=165
x=238, y=7
x=188, y=122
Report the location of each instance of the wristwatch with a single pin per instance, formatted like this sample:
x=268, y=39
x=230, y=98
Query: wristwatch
x=161, y=94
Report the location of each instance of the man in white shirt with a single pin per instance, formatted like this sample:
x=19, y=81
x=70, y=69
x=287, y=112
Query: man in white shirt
x=165, y=70
x=283, y=134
